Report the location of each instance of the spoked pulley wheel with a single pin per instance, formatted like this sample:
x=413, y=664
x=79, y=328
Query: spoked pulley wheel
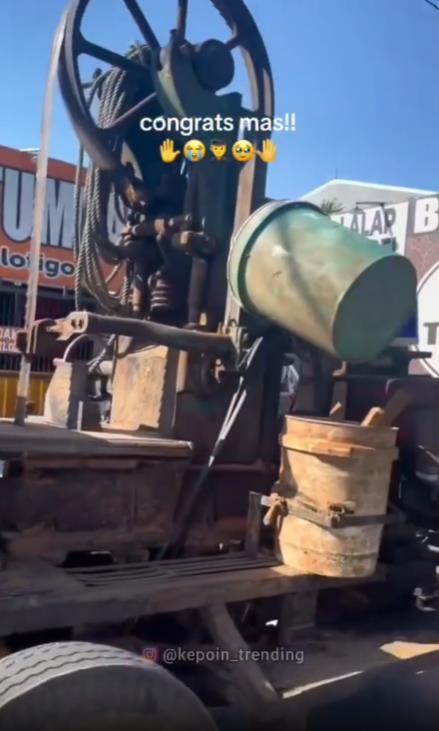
x=197, y=72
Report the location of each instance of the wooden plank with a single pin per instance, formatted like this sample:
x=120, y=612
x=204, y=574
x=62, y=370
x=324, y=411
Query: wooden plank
x=78, y=463
x=392, y=410
x=39, y=438
x=118, y=602
x=339, y=401
x=247, y=677
x=337, y=412
x=374, y=417
x=34, y=579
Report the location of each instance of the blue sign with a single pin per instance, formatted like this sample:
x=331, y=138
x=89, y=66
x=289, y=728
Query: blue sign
x=409, y=334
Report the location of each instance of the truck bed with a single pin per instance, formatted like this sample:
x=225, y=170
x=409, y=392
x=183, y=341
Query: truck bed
x=37, y=438
x=37, y=596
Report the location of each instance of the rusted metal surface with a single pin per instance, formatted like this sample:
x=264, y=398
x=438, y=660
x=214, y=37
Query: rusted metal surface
x=337, y=515
x=57, y=504
x=144, y=390
x=57, y=510
x=342, y=470
x=66, y=403
x=143, y=330
x=39, y=340
x=185, y=85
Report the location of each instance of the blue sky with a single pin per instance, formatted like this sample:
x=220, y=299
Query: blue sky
x=361, y=76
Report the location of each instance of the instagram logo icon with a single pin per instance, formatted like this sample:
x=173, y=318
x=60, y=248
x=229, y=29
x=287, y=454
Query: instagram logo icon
x=151, y=654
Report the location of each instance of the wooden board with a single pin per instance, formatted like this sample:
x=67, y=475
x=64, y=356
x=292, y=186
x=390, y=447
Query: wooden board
x=37, y=437
x=118, y=593
x=395, y=406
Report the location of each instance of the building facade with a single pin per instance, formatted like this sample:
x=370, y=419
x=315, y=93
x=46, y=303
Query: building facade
x=352, y=194
x=57, y=269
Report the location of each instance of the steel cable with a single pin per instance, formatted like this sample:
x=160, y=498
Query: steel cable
x=95, y=246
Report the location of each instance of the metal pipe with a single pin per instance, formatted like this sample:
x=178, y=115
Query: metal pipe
x=143, y=330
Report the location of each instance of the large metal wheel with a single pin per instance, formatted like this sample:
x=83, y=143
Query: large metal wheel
x=212, y=69
x=78, y=686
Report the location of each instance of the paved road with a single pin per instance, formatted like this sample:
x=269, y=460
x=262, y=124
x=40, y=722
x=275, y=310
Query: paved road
x=382, y=704
x=400, y=690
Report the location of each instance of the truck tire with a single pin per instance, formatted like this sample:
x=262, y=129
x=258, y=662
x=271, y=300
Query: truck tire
x=79, y=686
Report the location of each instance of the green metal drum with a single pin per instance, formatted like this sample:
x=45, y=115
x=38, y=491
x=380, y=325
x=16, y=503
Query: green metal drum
x=296, y=267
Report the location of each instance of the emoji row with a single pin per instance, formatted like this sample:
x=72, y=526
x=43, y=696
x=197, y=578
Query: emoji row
x=195, y=150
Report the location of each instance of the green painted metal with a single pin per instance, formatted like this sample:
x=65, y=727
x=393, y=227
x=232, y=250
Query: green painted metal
x=342, y=292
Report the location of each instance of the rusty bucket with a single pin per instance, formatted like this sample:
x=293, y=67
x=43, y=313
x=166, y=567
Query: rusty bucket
x=334, y=485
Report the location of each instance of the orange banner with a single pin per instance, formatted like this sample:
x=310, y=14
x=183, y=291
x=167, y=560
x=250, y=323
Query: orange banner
x=17, y=188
